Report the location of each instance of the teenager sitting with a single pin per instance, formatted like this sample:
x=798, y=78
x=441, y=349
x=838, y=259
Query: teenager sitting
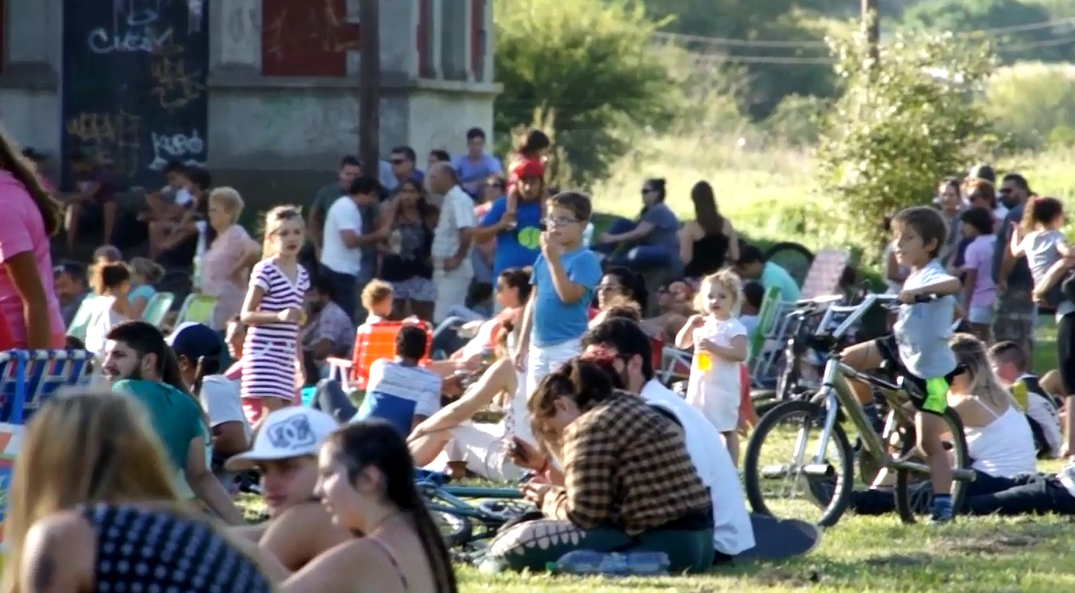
x=1011, y=366
x=605, y=436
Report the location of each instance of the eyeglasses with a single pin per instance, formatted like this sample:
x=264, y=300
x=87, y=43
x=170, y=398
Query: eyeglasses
x=398, y=161
x=646, y=190
x=560, y=221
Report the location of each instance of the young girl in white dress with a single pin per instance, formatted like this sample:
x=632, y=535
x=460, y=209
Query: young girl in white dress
x=720, y=346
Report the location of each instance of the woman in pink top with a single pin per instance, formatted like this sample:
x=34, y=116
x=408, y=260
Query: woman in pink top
x=229, y=257
x=29, y=309
x=979, y=291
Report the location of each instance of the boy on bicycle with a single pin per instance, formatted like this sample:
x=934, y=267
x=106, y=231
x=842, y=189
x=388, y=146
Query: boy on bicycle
x=918, y=344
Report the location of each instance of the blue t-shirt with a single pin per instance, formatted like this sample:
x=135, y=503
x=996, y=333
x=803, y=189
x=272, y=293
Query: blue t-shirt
x=774, y=275
x=471, y=172
x=556, y=322
x=518, y=247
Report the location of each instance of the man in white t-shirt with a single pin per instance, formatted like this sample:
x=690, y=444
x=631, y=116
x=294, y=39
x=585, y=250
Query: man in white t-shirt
x=194, y=342
x=628, y=343
x=452, y=268
x=342, y=242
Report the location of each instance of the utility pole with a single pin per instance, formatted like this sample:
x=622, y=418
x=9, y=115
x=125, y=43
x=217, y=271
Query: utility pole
x=871, y=22
x=369, y=86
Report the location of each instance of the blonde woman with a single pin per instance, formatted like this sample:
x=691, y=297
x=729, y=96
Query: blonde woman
x=98, y=510
x=229, y=257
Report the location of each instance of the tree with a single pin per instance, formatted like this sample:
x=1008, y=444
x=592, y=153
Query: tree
x=900, y=126
x=1020, y=30
x=590, y=63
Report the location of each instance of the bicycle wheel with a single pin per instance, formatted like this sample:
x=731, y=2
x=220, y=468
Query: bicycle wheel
x=829, y=491
x=915, y=499
x=455, y=526
x=793, y=257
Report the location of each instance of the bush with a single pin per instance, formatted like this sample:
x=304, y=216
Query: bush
x=590, y=63
x=899, y=128
x=1034, y=104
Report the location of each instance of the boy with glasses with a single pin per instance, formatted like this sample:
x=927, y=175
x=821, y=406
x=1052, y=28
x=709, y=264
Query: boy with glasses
x=564, y=278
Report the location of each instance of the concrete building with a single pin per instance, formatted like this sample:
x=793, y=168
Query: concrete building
x=264, y=92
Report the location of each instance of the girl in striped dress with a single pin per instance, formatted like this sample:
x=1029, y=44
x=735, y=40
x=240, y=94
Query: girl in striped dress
x=273, y=313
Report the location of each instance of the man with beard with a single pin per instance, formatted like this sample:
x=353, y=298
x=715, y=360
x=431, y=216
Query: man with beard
x=630, y=346
x=139, y=363
x=1015, y=310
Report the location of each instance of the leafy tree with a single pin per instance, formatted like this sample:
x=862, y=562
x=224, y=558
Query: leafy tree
x=590, y=63
x=899, y=128
x=1010, y=24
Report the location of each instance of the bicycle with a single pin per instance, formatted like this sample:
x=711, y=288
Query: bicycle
x=835, y=398
x=465, y=525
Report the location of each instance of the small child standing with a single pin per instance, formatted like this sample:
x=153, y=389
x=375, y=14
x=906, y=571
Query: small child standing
x=720, y=346
x=565, y=276
x=979, y=291
x=377, y=299
x=1039, y=238
x=273, y=313
x=111, y=282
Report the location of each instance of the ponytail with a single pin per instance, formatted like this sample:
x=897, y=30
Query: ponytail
x=436, y=552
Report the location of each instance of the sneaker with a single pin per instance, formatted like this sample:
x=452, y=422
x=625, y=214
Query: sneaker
x=820, y=491
x=942, y=510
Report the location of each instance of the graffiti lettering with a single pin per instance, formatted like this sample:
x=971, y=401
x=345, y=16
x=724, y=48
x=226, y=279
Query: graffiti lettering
x=175, y=86
x=190, y=149
x=110, y=138
x=135, y=33
x=302, y=30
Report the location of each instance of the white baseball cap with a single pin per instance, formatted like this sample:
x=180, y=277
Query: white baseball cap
x=286, y=433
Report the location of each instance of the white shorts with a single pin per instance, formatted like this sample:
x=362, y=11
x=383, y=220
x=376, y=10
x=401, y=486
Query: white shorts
x=482, y=447
x=980, y=315
x=452, y=288
x=543, y=360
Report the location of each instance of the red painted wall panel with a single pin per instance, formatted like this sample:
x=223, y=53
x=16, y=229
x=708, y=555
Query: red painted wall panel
x=3, y=37
x=306, y=37
x=422, y=35
x=477, y=37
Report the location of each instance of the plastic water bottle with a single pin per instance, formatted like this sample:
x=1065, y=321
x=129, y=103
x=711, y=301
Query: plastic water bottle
x=589, y=562
x=587, y=234
x=199, y=255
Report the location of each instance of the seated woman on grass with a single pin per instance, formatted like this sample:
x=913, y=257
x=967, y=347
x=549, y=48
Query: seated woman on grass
x=605, y=436
x=367, y=482
x=298, y=529
x=449, y=438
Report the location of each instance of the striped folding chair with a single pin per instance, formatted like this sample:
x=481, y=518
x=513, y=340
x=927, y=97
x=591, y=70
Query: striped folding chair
x=29, y=377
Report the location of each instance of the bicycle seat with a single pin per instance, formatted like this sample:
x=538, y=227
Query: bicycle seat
x=437, y=478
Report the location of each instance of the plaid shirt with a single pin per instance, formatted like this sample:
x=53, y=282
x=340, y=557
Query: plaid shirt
x=625, y=466
x=331, y=324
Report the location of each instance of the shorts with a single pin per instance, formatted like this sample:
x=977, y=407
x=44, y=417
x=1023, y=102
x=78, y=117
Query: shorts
x=926, y=395
x=417, y=288
x=980, y=315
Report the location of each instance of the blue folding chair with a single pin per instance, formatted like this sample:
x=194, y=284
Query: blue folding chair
x=29, y=377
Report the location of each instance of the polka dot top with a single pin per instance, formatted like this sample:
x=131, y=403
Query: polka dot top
x=146, y=551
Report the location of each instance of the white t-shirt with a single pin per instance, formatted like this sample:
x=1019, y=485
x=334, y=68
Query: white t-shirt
x=221, y=402
x=715, y=392
x=732, y=531
x=456, y=214
x=102, y=320
x=343, y=215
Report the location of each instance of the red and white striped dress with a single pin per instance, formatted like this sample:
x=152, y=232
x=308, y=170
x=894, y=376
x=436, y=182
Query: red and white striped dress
x=269, y=352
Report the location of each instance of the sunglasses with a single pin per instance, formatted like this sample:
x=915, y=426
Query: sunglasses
x=398, y=161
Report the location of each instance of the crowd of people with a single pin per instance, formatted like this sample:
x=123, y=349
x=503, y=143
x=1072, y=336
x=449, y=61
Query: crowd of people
x=560, y=335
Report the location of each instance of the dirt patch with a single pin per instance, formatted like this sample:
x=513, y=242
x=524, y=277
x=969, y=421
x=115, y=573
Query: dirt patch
x=910, y=560
x=774, y=577
x=991, y=543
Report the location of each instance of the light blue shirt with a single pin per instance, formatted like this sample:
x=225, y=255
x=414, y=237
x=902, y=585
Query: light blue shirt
x=922, y=330
x=774, y=275
x=470, y=171
x=556, y=322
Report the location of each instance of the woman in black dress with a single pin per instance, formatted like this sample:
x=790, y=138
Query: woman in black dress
x=709, y=242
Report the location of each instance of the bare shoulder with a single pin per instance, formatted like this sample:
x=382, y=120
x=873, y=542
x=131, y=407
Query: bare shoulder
x=59, y=552
x=691, y=228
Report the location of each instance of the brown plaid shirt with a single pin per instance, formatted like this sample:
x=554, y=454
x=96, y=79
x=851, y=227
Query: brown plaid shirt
x=625, y=466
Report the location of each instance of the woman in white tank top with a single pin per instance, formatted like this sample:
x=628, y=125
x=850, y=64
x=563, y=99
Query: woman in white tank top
x=998, y=435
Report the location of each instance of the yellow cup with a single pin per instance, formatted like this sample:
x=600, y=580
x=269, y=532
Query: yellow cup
x=705, y=361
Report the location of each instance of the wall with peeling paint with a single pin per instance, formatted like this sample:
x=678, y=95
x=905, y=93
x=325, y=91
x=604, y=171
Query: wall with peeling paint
x=275, y=137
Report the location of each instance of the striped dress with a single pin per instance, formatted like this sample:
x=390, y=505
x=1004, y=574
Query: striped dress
x=269, y=352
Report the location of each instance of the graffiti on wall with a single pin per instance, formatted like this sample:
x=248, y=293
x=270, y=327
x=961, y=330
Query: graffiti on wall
x=146, y=102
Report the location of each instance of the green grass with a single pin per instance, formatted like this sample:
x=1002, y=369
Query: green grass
x=863, y=554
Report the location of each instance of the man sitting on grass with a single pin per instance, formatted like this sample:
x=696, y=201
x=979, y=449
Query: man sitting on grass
x=753, y=266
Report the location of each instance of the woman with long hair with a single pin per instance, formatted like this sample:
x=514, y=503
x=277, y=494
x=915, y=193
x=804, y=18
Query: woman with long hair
x=98, y=511
x=406, y=256
x=628, y=482
x=26, y=280
x=709, y=242
x=367, y=483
